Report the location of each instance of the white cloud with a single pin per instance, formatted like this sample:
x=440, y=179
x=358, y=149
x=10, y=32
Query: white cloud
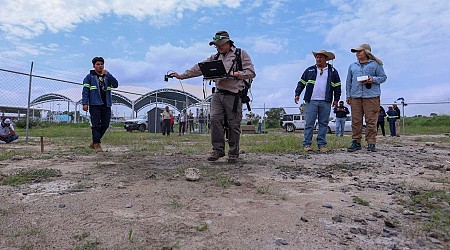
x=269, y=15
x=85, y=40
x=28, y=19
x=267, y=45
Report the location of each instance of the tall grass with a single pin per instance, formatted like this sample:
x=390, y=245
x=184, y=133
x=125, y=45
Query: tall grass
x=427, y=125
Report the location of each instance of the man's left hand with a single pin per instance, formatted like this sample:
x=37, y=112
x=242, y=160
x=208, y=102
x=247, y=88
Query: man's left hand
x=104, y=72
x=335, y=104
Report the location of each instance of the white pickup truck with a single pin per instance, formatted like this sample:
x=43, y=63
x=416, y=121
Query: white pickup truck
x=291, y=122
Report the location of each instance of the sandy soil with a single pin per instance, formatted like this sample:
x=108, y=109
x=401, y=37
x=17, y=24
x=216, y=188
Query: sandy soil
x=273, y=201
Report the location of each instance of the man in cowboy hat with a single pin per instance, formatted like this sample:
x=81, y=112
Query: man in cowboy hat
x=226, y=102
x=323, y=89
x=363, y=95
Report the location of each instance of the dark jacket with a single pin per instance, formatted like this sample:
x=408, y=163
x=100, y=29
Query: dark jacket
x=341, y=113
x=308, y=80
x=91, y=90
x=391, y=115
x=381, y=115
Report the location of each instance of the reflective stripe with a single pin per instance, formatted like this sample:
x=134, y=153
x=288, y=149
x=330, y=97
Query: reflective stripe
x=312, y=82
x=303, y=82
x=87, y=85
x=93, y=87
x=335, y=84
x=108, y=88
x=391, y=116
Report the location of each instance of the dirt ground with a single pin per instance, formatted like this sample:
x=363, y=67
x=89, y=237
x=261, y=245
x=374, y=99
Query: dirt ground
x=111, y=200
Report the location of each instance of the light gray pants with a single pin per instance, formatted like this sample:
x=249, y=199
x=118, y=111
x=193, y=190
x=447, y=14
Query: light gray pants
x=221, y=107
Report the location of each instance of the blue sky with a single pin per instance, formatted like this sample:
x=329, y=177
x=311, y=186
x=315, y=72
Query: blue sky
x=142, y=40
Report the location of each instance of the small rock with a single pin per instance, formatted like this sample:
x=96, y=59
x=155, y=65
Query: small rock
x=303, y=219
x=192, y=174
x=209, y=222
x=328, y=206
x=61, y=205
x=281, y=242
x=389, y=224
x=354, y=230
x=337, y=218
x=362, y=231
x=421, y=242
x=129, y=205
x=384, y=210
x=434, y=240
x=408, y=212
x=121, y=186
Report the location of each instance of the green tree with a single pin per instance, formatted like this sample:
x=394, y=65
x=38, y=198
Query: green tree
x=273, y=117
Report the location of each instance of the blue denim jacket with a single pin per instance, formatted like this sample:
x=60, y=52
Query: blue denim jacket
x=355, y=89
x=91, y=90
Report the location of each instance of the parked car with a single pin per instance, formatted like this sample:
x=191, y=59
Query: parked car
x=140, y=123
x=291, y=122
x=347, y=126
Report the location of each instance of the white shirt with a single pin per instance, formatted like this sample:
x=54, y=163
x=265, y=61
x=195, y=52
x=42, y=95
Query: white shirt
x=320, y=86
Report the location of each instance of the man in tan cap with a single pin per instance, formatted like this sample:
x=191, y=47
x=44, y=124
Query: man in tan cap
x=323, y=89
x=226, y=103
x=363, y=95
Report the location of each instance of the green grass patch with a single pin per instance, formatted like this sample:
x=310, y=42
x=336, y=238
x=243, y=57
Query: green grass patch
x=201, y=228
x=434, y=202
x=360, y=201
x=223, y=181
x=27, y=176
x=175, y=203
x=262, y=189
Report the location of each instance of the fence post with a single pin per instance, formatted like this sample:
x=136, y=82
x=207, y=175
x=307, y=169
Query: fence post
x=29, y=100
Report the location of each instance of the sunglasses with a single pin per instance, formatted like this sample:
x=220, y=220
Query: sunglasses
x=321, y=71
x=219, y=37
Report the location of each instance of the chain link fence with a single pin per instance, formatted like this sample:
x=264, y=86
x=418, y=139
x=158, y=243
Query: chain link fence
x=57, y=100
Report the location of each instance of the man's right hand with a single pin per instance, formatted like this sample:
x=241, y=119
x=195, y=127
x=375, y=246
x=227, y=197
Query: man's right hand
x=85, y=107
x=296, y=99
x=176, y=75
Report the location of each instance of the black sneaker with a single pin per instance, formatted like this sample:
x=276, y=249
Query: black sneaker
x=371, y=148
x=232, y=158
x=355, y=146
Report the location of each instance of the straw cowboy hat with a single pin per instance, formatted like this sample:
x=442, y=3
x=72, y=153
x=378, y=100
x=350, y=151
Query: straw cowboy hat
x=368, y=50
x=329, y=55
x=220, y=38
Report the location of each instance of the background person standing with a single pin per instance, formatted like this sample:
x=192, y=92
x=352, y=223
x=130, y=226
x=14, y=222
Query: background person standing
x=380, y=122
x=97, y=99
x=363, y=86
x=392, y=117
x=397, y=121
x=341, y=117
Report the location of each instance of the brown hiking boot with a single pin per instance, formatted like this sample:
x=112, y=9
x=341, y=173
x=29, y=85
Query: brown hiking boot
x=308, y=148
x=98, y=147
x=214, y=156
x=92, y=145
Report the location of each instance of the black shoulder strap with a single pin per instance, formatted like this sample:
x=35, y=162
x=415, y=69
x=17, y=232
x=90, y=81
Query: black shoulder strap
x=238, y=59
x=217, y=56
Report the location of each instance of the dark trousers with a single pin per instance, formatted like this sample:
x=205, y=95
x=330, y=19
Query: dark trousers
x=381, y=124
x=166, y=127
x=181, y=127
x=392, y=126
x=10, y=138
x=100, y=118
